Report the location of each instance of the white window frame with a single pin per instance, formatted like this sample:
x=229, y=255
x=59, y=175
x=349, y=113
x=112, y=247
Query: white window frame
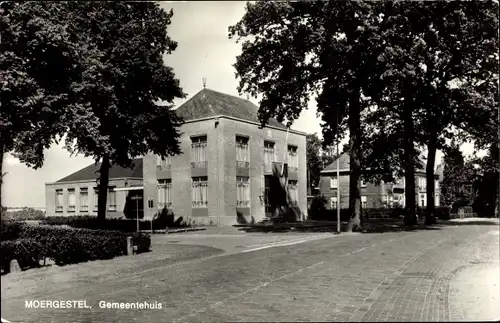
x=112, y=206
x=199, y=198
x=242, y=151
x=363, y=183
x=269, y=152
x=334, y=182
x=164, y=193
x=293, y=158
x=243, y=191
x=199, y=147
x=84, y=207
x=333, y=202
x=96, y=199
x=163, y=162
x=71, y=204
x=364, y=202
x=59, y=203
x=422, y=199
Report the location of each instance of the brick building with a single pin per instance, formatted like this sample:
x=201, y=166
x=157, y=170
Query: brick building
x=76, y=194
x=221, y=177
x=372, y=195
x=226, y=162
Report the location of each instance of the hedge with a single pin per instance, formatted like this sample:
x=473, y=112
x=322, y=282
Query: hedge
x=25, y=214
x=28, y=244
x=163, y=220
x=442, y=213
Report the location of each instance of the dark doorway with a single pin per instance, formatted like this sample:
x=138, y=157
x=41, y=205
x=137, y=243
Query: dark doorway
x=134, y=203
x=267, y=190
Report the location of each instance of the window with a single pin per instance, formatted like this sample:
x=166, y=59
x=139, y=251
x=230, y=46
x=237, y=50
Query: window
x=293, y=159
x=268, y=152
x=422, y=183
x=199, y=192
x=84, y=199
x=164, y=193
x=363, y=202
x=422, y=199
x=242, y=191
x=363, y=183
x=333, y=202
x=293, y=192
x=96, y=199
x=59, y=201
x=199, y=152
x=334, y=183
x=242, y=152
x=111, y=199
x=386, y=199
x=71, y=200
x=163, y=162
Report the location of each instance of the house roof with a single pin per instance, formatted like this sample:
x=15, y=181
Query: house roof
x=209, y=103
x=90, y=172
x=343, y=163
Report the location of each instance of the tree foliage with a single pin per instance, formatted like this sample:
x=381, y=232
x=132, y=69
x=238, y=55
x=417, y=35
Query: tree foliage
x=317, y=158
x=117, y=115
x=37, y=68
x=296, y=49
x=457, y=187
x=93, y=71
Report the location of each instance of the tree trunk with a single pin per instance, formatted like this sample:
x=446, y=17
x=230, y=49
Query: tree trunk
x=430, y=217
x=410, y=203
x=1, y=175
x=356, y=220
x=103, y=188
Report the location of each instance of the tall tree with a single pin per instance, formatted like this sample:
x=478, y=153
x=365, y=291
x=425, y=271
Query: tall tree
x=117, y=114
x=457, y=188
x=486, y=203
x=37, y=68
x=393, y=119
x=296, y=49
x=459, y=43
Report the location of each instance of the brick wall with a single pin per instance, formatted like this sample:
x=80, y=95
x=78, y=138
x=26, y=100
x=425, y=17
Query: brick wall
x=50, y=197
x=257, y=137
x=375, y=194
x=221, y=155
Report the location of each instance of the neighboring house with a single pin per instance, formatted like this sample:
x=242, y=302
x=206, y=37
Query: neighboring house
x=372, y=195
x=76, y=194
x=226, y=164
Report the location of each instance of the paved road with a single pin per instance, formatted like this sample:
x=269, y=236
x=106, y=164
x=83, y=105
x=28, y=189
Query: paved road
x=430, y=275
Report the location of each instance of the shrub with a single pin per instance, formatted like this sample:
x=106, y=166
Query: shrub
x=66, y=246
x=162, y=220
x=371, y=213
x=25, y=214
x=318, y=207
x=329, y=215
x=10, y=230
x=28, y=252
x=142, y=241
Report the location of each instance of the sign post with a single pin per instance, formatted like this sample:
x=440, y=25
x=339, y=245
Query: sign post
x=137, y=198
x=150, y=206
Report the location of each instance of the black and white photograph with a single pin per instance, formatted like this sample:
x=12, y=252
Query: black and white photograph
x=249, y=161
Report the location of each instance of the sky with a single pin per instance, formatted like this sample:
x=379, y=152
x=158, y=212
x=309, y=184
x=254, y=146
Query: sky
x=204, y=51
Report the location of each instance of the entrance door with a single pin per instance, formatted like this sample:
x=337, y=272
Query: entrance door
x=267, y=190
